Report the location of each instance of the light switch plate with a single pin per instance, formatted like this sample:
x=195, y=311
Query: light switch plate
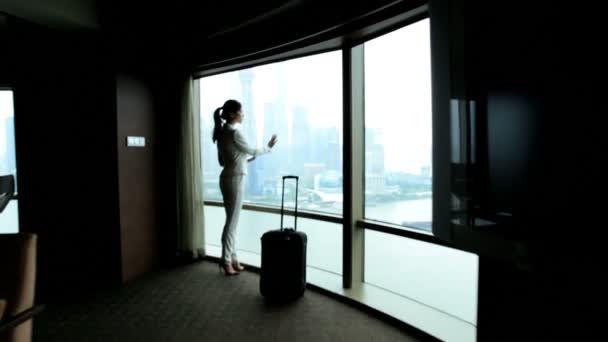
x=136, y=141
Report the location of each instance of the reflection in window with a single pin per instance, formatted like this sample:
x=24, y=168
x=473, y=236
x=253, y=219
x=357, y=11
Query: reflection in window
x=301, y=101
x=9, y=218
x=398, y=132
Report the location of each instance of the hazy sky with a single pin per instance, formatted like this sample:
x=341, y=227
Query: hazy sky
x=313, y=82
x=397, y=93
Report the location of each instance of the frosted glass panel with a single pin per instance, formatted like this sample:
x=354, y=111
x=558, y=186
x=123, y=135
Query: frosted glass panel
x=443, y=278
x=324, y=238
x=9, y=218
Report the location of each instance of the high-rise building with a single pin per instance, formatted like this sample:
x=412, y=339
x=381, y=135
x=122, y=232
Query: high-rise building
x=249, y=124
x=318, y=146
x=300, y=138
x=254, y=183
x=326, y=148
x=374, y=161
x=275, y=122
x=333, y=155
x=311, y=170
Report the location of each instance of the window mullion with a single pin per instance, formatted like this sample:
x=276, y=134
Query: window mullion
x=353, y=243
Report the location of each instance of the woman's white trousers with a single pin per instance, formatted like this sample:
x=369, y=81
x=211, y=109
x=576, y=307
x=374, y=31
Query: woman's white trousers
x=233, y=188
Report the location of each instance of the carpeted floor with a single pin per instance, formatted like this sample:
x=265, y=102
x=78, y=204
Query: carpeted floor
x=196, y=303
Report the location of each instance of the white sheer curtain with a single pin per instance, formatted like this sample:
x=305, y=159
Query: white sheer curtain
x=190, y=231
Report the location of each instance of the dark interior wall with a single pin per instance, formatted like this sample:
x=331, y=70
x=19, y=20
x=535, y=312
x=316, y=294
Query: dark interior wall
x=136, y=114
x=65, y=128
x=531, y=69
x=166, y=87
x=150, y=52
x=92, y=201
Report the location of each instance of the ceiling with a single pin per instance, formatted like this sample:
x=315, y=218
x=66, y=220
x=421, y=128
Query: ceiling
x=57, y=14
x=203, y=30
x=212, y=16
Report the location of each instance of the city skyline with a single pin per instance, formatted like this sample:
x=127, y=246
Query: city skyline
x=397, y=95
x=287, y=99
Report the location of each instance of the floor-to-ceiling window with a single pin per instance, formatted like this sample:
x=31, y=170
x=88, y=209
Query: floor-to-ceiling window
x=398, y=178
x=300, y=100
x=398, y=134
x=429, y=285
x=9, y=218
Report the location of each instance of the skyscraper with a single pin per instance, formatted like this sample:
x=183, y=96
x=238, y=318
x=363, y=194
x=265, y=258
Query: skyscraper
x=374, y=161
x=325, y=147
x=333, y=155
x=254, y=185
x=275, y=122
x=300, y=138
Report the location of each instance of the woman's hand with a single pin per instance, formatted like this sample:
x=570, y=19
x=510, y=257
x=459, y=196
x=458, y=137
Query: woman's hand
x=272, y=141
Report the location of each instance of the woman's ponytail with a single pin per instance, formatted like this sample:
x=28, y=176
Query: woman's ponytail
x=230, y=107
x=217, y=130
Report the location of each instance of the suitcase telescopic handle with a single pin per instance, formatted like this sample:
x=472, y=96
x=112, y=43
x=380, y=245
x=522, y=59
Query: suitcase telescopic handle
x=295, y=224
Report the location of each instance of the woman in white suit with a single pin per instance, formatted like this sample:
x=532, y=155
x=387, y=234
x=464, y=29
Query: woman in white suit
x=233, y=154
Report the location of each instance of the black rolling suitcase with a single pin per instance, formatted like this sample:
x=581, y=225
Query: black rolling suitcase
x=283, y=274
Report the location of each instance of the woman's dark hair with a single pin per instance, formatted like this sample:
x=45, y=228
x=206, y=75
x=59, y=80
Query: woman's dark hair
x=229, y=107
